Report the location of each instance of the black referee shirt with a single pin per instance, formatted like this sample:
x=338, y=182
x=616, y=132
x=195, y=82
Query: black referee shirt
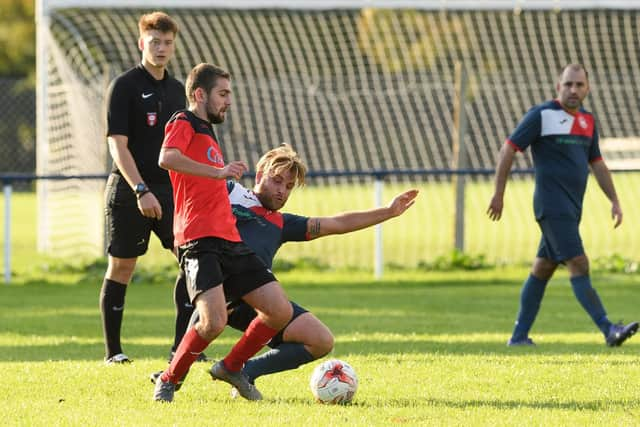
x=139, y=106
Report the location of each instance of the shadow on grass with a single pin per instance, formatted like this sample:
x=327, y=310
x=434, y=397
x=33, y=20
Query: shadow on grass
x=594, y=405
x=54, y=320
x=81, y=351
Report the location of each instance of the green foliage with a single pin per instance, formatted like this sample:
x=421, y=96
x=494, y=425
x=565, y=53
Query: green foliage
x=17, y=38
x=303, y=263
x=615, y=264
x=17, y=78
x=456, y=260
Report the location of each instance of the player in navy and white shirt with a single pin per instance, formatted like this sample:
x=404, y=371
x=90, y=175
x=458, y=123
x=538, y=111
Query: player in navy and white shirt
x=264, y=229
x=564, y=144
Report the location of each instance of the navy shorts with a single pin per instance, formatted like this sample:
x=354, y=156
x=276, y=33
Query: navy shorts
x=560, y=239
x=128, y=231
x=210, y=261
x=242, y=314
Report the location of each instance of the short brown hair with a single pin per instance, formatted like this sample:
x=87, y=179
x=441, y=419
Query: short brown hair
x=158, y=21
x=575, y=67
x=282, y=159
x=203, y=76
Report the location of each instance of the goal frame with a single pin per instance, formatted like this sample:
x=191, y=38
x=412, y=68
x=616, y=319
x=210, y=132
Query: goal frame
x=45, y=9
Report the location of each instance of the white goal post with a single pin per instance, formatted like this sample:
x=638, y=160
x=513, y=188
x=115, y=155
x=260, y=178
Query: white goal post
x=355, y=86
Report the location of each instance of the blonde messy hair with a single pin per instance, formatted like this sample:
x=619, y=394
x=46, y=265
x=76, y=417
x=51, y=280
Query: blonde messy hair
x=280, y=160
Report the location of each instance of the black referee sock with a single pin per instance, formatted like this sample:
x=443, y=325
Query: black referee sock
x=112, y=307
x=184, y=309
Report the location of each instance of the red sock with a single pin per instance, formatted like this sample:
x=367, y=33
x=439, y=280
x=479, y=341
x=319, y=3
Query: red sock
x=254, y=338
x=187, y=352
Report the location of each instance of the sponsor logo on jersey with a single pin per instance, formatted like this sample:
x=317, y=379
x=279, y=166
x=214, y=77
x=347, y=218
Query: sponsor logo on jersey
x=152, y=119
x=571, y=140
x=214, y=157
x=146, y=95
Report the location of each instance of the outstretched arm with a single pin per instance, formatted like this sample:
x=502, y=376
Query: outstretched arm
x=505, y=160
x=603, y=176
x=352, y=221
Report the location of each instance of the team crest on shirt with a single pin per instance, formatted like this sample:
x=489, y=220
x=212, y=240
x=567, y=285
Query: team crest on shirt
x=582, y=122
x=152, y=119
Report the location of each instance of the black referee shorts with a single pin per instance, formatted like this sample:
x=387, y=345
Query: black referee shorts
x=210, y=261
x=128, y=231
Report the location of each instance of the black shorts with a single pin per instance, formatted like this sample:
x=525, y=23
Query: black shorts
x=128, y=231
x=210, y=261
x=243, y=314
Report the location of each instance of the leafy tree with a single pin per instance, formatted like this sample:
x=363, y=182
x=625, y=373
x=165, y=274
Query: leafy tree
x=17, y=39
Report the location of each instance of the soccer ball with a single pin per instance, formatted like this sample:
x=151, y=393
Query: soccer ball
x=334, y=381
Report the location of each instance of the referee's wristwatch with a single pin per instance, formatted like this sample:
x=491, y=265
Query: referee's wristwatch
x=141, y=189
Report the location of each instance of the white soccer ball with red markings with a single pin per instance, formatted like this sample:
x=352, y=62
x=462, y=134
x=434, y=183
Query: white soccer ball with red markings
x=334, y=381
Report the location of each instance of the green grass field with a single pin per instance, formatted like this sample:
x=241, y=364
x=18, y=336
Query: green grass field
x=429, y=349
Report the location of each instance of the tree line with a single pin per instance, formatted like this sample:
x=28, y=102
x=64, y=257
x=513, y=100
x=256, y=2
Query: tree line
x=17, y=86
x=17, y=39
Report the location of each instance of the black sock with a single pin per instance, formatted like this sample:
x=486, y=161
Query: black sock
x=112, y=308
x=183, y=309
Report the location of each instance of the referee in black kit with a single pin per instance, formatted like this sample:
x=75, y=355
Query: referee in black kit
x=138, y=196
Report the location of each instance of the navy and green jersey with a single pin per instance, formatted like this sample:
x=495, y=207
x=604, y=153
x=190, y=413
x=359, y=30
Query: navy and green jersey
x=264, y=231
x=563, y=145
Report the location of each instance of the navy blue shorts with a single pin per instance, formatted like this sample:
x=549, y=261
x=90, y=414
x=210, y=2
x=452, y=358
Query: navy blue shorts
x=560, y=239
x=210, y=261
x=243, y=314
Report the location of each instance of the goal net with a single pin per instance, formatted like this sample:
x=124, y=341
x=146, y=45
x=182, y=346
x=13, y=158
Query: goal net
x=355, y=87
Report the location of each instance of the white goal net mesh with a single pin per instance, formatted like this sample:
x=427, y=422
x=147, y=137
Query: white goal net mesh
x=360, y=90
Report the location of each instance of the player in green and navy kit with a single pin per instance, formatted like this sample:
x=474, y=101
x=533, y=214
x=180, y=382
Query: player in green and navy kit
x=564, y=143
x=264, y=229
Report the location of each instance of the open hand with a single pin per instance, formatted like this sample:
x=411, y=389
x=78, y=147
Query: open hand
x=403, y=201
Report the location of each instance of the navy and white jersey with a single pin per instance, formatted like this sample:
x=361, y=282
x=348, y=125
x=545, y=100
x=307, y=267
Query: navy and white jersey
x=563, y=145
x=264, y=231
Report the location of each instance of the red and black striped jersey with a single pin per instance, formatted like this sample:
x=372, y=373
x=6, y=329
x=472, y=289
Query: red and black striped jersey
x=202, y=207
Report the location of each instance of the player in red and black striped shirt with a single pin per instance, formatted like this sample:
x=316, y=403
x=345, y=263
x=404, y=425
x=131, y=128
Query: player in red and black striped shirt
x=218, y=266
